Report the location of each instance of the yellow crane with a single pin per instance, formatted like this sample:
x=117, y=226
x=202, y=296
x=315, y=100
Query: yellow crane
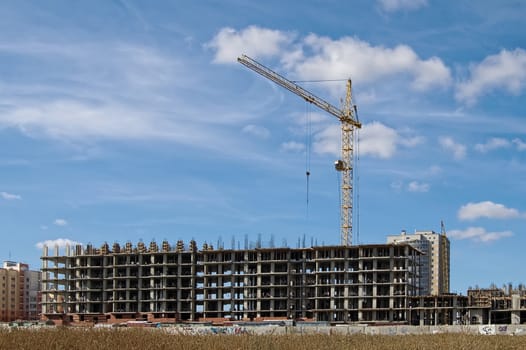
x=349, y=121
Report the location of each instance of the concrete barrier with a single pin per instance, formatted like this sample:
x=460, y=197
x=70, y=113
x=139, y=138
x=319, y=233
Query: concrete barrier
x=411, y=330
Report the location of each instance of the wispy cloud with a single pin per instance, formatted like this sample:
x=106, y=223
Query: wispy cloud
x=79, y=96
x=415, y=186
x=10, y=196
x=89, y=100
x=257, y=131
x=492, y=144
x=449, y=144
x=433, y=170
x=292, y=146
x=478, y=234
x=60, y=242
x=76, y=120
x=60, y=222
x=397, y=5
x=397, y=185
x=487, y=209
x=505, y=70
x=521, y=146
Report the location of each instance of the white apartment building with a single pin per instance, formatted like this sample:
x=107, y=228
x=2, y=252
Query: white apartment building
x=435, y=266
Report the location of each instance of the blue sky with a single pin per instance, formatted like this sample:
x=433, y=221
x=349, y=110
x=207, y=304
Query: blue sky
x=131, y=120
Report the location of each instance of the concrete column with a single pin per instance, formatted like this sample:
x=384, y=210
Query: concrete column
x=515, y=306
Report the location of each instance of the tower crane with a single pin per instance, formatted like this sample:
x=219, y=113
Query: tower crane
x=348, y=117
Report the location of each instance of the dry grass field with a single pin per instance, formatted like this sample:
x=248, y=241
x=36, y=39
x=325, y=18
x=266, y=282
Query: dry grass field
x=145, y=339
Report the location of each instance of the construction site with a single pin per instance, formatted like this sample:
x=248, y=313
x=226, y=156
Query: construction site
x=405, y=281
x=366, y=284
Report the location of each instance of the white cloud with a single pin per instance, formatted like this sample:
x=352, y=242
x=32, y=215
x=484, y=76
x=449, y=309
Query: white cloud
x=486, y=209
x=376, y=139
x=74, y=120
x=411, y=141
x=10, y=196
x=458, y=150
x=521, y=146
x=78, y=121
x=365, y=63
x=395, y=5
x=60, y=222
x=492, y=144
x=415, y=186
x=253, y=41
x=505, y=70
x=327, y=141
x=257, y=131
x=292, y=146
x=316, y=57
x=60, y=242
x=478, y=234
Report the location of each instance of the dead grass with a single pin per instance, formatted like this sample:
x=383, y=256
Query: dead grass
x=146, y=339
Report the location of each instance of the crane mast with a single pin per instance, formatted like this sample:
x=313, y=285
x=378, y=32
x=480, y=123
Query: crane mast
x=349, y=121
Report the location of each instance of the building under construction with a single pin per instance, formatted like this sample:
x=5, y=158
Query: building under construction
x=336, y=284
x=497, y=306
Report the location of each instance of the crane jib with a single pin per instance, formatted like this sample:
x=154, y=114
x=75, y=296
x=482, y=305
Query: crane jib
x=295, y=88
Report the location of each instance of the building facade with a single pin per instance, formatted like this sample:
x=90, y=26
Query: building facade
x=435, y=269
x=19, y=292
x=337, y=284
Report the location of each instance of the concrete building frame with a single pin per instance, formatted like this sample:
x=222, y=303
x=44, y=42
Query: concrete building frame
x=336, y=284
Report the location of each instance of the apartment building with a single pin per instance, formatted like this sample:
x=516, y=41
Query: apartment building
x=337, y=284
x=435, y=269
x=19, y=292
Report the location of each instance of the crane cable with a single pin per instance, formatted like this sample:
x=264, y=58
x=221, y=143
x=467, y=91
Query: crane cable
x=338, y=190
x=308, y=142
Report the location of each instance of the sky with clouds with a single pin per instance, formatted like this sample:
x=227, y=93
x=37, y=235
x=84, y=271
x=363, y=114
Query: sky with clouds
x=126, y=120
